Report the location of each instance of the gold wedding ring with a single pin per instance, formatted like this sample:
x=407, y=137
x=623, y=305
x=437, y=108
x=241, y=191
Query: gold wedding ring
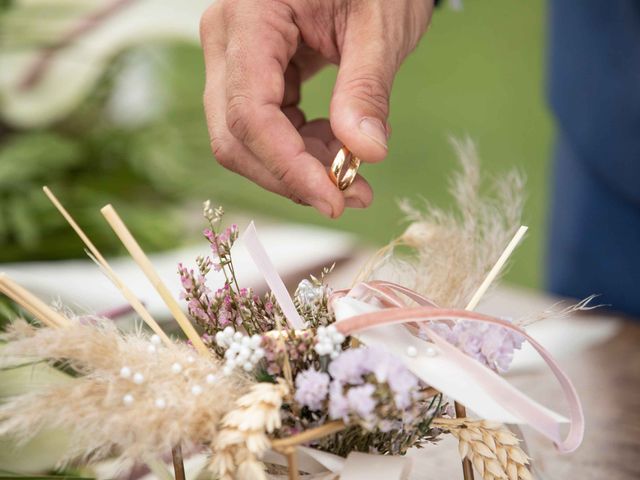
x=344, y=168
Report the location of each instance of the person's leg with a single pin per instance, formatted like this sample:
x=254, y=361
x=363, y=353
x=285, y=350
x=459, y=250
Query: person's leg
x=594, y=241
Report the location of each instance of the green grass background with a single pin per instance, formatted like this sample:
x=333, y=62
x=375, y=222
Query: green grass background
x=478, y=72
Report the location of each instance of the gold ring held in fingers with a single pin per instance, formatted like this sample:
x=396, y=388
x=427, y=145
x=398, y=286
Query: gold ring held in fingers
x=344, y=168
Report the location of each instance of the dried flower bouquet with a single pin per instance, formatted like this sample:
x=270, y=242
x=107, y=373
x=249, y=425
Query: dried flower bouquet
x=302, y=377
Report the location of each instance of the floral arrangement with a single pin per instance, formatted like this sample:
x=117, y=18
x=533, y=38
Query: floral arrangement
x=271, y=384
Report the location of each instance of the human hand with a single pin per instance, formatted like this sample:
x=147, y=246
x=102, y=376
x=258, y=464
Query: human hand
x=258, y=52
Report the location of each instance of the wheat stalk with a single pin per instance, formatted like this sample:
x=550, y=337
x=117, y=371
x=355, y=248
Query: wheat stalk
x=242, y=440
x=493, y=450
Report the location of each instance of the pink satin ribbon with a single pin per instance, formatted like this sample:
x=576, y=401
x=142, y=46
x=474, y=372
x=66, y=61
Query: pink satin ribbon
x=396, y=312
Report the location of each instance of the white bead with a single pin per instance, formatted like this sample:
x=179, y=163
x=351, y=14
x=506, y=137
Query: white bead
x=128, y=399
x=234, y=347
x=321, y=330
x=160, y=403
x=256, y=340
x=228, y=331
x=220, y=338
x=138, y=378
x=246, y=341
x=176, y=368
x=259, y=352
x=334, y=354
x=331, y=329
x=190, y=359
x=155, y=339
x=151, y=348
x=196, y=390
x=125, y=372
x=412, y=351
x=431, y=351
x=211, y=378
x=237, y=336
x=227, y=370
x=228, y=354
x=248, y=366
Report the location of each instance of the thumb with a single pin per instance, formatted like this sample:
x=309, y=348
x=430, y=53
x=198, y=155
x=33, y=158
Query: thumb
x=360, y=102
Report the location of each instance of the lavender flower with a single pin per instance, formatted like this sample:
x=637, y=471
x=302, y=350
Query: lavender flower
x=312, y=388
x=492, y=345
x=361, y=400
x=367, y=381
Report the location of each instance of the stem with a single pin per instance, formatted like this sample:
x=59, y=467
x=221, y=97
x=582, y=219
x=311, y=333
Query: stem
x=178, y=463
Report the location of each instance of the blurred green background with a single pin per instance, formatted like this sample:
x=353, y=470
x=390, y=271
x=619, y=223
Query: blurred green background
x=479, y=72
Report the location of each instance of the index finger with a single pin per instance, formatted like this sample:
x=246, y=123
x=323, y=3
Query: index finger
x=261, y=39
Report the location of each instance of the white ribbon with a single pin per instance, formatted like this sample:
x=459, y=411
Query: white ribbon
x=357, y=466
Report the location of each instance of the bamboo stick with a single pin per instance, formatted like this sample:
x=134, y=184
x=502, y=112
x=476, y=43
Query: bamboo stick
x=109, y=272
x=497, y=268
x=36, y=307
x=282, y=444
x=138, y=255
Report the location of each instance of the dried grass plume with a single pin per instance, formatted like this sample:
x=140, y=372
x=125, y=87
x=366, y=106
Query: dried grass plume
x=451, y=251
x=131, y=398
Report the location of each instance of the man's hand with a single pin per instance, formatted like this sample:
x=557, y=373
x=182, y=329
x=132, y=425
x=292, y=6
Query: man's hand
x=257, y=53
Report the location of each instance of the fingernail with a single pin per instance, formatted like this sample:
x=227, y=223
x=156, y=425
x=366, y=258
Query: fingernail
x=354, y=203
x=323, y=207
x=373, y=128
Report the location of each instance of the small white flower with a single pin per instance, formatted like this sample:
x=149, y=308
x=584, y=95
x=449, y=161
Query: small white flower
x=211, y=378
x=125, y=372
x=176, y=368
x=328, y=341
x=128, y=399
x=138, y=378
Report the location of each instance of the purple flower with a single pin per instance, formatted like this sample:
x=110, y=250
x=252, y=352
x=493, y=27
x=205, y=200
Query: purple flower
x=361, y=400
x=349, y=366
x=352, y=389
x=492, y=345
x=338, y=403
x=312, y=388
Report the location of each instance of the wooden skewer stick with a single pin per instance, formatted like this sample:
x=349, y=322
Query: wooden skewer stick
x=146, y=266
x=467, y=467
x=111, y=275
x=497, y=268
x=36, y=307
